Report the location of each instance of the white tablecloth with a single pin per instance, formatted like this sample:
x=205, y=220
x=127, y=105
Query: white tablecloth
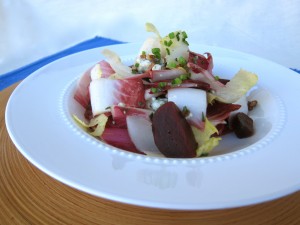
x=31, y=29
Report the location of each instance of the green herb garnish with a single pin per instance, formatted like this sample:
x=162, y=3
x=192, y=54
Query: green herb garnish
x=172, y=65
x=156, y=53
x=185, y=111
x=162, y=84
x=184, y=76
x=177, y=81
x=154, y=90
x=171, y=35
x=182, y=61
x=177, y=36
x=168, y=51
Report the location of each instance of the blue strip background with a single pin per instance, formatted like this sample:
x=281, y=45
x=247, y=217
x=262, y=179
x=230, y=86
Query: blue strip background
x=14, y=76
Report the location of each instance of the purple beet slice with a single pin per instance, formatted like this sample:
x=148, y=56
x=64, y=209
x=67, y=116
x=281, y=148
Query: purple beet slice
x=173, y=135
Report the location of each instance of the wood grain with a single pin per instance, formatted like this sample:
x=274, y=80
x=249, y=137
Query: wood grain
x=28, y=196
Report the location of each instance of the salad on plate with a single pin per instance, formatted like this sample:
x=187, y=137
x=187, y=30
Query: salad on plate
x=168, y=103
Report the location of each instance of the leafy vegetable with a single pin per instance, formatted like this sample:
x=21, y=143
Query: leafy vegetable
x=176, y=48
x=114, y=60
x=238, y=86
x=205, y=142
x=151, y=28
x=98, y=123
x=125, y=100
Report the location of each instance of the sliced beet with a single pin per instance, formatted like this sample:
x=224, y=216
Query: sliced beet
x=173, y=135
x=242, y=125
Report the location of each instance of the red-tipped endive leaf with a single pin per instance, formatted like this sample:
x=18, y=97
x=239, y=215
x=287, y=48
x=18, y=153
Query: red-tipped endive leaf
x=119, y=137
x=140, y=132
x=218, y=111
x=119, y=114
x=107, y=92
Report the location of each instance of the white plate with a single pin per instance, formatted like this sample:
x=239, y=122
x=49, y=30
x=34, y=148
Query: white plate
x=240, y=172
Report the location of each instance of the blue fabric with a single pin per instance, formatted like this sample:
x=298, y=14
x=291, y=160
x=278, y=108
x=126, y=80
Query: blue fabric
x=14, y=76
x=296, y=70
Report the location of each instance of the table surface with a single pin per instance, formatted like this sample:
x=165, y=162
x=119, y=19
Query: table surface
x=29, y=196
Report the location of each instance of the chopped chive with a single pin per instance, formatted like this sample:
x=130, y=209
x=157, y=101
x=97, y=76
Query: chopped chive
x=155, y=50
x=184, y=37
x=136, y=65
x=168, y=51
x=171, y=65
x=162, y=84
x=185, y=111
x=182, y=61
x=153, y=90
x=171, y=35
x=165, y=43
x=143, y=53
x=185, y=42
x=177, y=36
x=177, y=81
x=183, y=76
x=170, y=43
x=217, y=78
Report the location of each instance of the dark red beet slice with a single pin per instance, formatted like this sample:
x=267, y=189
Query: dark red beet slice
x=173, y=135
x=242, y=125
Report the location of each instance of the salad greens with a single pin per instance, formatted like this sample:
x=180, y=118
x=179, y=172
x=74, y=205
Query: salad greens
x=116, y=96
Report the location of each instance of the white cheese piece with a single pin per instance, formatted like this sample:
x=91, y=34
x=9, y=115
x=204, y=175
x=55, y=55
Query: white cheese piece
x=156, y=103
x=156, y=67
x=143, y=64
